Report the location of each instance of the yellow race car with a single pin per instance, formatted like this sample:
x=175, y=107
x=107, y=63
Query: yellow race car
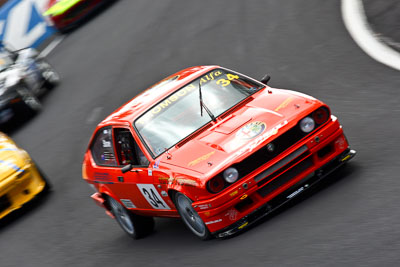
x=20, y=179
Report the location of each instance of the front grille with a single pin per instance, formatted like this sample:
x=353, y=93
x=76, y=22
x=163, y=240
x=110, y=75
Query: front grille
x=262, y=156
x=4, y=203
x=294, y=156
x=285, y=177
x=282, y=142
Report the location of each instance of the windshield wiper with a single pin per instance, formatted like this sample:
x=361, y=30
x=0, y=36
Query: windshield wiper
x=202, y=105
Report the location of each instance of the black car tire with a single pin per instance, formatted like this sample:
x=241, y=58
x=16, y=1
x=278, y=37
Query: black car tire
x=30, y=100
x=134, y=225
x=50, y=77
x=190, y=217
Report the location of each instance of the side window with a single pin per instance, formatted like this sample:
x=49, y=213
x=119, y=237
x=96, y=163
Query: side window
x=128, y=151
x=102, y=148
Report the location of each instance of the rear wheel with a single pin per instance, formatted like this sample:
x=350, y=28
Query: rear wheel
x=30, y=100
x=135, y=226
x=190, y=217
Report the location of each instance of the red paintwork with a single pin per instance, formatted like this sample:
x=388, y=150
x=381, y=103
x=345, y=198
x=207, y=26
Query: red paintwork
x=218, y=142
x=74, y=14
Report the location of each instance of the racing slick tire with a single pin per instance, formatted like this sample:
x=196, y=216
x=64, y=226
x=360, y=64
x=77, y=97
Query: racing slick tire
x=50, y=76
x=134, y=225
x=190, y=217
x=30, y=100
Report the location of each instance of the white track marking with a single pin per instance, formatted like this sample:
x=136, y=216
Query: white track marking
x=356, y=23
x=52, y=45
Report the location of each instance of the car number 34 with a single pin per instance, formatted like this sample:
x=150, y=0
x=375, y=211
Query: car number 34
x=152, y=196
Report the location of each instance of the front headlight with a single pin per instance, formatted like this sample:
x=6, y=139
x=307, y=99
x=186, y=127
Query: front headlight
x=231, y=175
x=307, y=124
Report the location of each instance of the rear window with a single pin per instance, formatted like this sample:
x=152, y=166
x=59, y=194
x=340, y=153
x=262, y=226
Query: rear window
x=102, y=148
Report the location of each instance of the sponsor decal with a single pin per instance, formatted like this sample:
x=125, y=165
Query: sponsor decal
x=164, y=194
x=260, y=139
x=106, y=144
x=102, y=177
x=215, y=221
x=207, y=213
x=210, y=76
x=346, y=158
x=152, y=196
x=187, y=182
x=243, y=197
x=243, y=225
x=214, y=75
x=232, y=214
x=149, y=172
x=285, y=103
x=251, y=130
x=340, y=143
x=165, y=103
x=234, y=193
x=178, y=181
x=163, y=180
x=128, y=203
x=301, y=189
x=200, y=159
x=156, y=164
x=203, y=206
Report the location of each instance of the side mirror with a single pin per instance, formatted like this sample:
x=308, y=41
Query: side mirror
x=266, y=79
x=126, y=168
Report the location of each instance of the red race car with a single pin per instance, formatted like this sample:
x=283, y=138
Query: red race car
x=67, y=14
x=212, y=146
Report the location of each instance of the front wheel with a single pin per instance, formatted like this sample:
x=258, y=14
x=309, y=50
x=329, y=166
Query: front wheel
x=190, y=217
x=50, y=76
x=135, y=226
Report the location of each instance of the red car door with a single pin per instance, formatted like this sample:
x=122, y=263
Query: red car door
x=135, y=188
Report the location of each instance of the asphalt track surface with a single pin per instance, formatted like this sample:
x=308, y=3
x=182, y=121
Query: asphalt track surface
x=352, y=220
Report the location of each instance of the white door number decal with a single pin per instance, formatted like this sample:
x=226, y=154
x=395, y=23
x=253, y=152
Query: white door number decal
x=153, y=197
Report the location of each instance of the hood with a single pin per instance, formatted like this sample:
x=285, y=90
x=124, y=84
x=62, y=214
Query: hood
x=9, y=77
x=258, y=121
x=11, y=159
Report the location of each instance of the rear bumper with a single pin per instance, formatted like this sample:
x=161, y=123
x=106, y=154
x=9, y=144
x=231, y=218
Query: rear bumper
x=287, y=195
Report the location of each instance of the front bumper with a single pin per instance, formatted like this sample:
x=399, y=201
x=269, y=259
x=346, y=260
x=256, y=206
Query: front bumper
x=238, y=206
x=8, y=107
x=287, y=195
x=20, y=188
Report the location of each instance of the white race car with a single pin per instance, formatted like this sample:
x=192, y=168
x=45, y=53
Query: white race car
x=24, y=76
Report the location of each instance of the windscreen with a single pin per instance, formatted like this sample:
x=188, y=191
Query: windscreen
x=184, y=112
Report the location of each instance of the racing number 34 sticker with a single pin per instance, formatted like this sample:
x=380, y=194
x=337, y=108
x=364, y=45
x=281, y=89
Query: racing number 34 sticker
x=152, y=196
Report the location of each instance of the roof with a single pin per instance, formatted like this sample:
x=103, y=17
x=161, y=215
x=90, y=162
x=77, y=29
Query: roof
x=130, y=111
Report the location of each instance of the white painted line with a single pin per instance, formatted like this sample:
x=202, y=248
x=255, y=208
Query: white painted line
x=94, y=115
x=356, y=23
x=51, y=46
